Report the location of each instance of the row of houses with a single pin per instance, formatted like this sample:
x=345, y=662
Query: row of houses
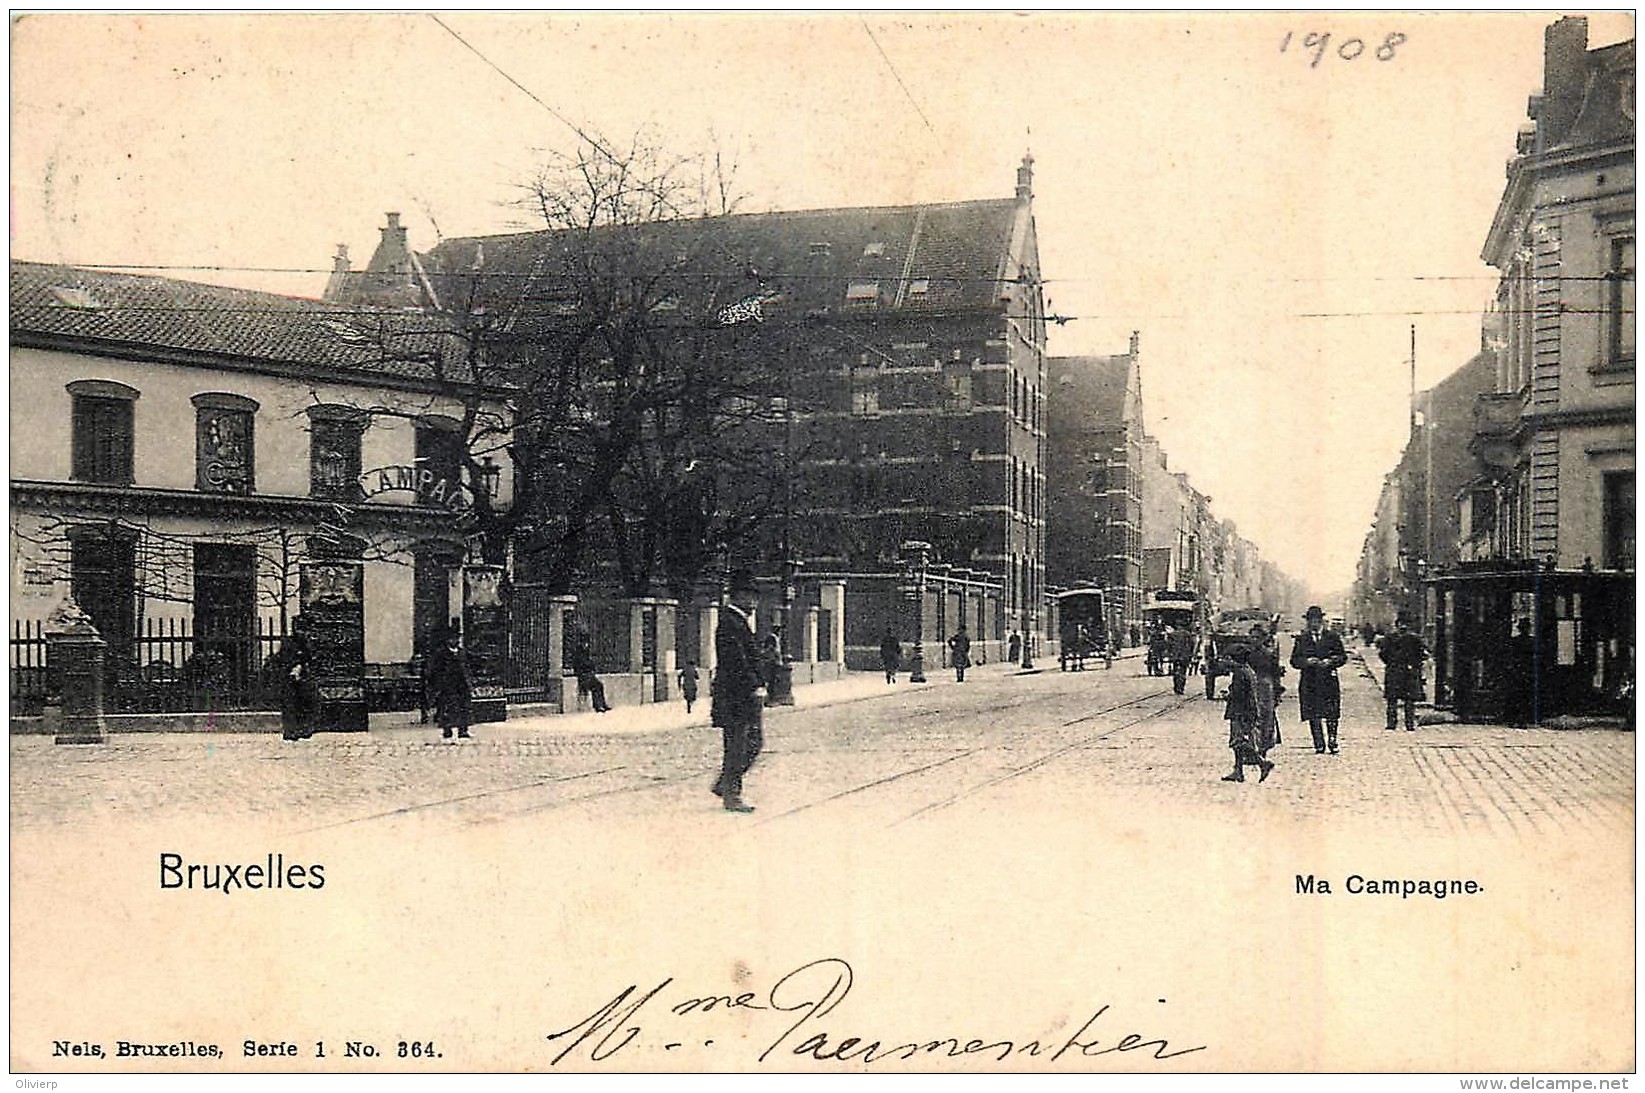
x=1508, y=526
x=862, y=413
x=1127, y=523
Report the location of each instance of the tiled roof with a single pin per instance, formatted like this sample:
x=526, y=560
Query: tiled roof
x=146, y=312
x=844, y=260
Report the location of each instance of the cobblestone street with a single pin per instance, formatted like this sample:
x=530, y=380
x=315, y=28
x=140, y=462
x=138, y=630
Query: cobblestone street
x=1044, y=842
x=860, y=750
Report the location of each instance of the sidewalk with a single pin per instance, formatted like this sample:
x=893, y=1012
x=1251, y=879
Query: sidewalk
x=654, y=717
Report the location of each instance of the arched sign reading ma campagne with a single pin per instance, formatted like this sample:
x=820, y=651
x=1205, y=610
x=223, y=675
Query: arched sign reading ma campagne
x=454, y=497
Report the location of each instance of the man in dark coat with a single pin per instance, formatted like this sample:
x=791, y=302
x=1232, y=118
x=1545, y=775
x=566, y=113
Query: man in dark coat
x=451, y=685
x=1520, y=678
x=735, y=698
x=1156, y=651
x=959, y=648
x=582, y=666
x=1317, y=653
x=890, y=656
x=1402, y=655
x=1181, y=648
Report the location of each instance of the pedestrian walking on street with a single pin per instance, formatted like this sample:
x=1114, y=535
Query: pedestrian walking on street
x=734, y=702
x=688, y=683
x=1317, y=653
x=299, y=698
x=1402, y=655
x=1156, y=651
x=1519, y=678
x=959, y=648
x=1013, y=648
x=1252, y=727
x=582, y=666
x=1181, y=651
x=451, y=684
x=890, y=656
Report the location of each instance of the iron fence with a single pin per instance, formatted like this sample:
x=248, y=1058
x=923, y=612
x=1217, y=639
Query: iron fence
x=166, y=667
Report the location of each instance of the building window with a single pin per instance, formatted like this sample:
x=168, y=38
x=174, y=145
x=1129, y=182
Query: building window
x=865, y=390
x=1619, y=520
x=224, y=442
x=1619, y=305
x=103, y=579
x=441, y=452
x=334, y=434
x=101, y=431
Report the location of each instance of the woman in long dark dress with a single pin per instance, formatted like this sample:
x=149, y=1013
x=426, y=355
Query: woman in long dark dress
x=1252, y=694
x=298, y=696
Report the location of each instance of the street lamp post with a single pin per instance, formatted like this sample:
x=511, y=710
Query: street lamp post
x=782, y=676
x=915, y=555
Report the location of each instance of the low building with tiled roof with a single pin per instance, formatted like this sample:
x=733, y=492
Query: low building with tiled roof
x=179, y=451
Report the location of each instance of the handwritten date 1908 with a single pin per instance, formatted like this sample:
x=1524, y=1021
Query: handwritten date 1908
x=797, y=1002
x=1348, y=49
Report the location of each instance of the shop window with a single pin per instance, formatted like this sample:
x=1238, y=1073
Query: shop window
x=101, y=432
x=224, y=446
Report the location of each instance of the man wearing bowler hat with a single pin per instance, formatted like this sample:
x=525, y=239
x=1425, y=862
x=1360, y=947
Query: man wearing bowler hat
x=735, y=696
x=1317, y=653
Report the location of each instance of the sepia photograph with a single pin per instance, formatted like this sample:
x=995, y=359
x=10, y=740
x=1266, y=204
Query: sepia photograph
x=823, y=543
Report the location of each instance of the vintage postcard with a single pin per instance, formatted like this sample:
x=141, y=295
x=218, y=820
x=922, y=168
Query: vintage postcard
x=836, y=543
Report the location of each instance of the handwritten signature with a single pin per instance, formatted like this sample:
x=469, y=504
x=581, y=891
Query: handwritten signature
x=802, y=998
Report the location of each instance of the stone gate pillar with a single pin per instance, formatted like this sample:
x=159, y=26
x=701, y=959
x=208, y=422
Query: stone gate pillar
x=74, y=661
x=708, y=621
x=559, y=610
x=666, y=660
x=485, y=640
x=332, y=594
x=831, y=598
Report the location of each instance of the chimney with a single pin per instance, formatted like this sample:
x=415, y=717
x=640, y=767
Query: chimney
x=1025, y=177
x=1136, y=338
x=339, y=261
x=1564, y=79
x=392, y=255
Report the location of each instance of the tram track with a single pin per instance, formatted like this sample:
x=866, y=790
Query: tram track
x=902, y=720
x=980, y=748
x=1027, y=768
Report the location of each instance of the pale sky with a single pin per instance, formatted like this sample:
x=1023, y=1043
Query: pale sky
x=1271, y=228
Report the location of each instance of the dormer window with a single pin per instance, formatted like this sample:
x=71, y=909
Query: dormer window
x=919, y=288
x=77, y=297
x=875, y=249
x=862, y=292
x=821, y=250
